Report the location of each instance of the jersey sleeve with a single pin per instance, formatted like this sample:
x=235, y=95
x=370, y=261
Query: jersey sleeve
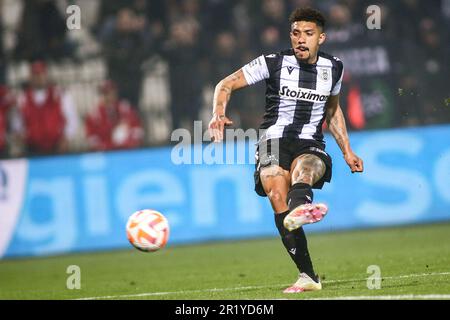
x=256, y=70
x=337, y=87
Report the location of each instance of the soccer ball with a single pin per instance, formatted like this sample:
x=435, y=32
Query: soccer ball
x=147, y=230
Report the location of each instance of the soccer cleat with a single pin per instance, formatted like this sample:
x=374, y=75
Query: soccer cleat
x=304, y=283
x=304, y=214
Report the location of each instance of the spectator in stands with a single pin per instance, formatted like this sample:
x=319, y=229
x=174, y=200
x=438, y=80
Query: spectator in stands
x=108, y=10
x=114, y=124
x=226, y=55
x=423, y=71
x=270, y=39
x=219, y=15
x=274, y=14
x=184, y=56
x=6, y=102
x=47, y=119
x=341, y=28
x=126, y=45
x=42, y=32
x=434, y=70
x=156, y=14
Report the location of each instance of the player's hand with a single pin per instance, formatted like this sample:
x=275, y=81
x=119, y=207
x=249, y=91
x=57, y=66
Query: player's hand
x=354, y=162
x=217, y=125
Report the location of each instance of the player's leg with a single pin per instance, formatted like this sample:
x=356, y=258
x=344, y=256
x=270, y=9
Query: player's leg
x=273, y=176
x=276, y=183
x=306, y=170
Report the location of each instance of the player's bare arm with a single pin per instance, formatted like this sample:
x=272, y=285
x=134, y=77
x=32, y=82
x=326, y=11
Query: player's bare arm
x=336, y=124
x=222, y=95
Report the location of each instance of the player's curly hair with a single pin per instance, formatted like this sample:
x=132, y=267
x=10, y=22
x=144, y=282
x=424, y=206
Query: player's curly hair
x=308, y=14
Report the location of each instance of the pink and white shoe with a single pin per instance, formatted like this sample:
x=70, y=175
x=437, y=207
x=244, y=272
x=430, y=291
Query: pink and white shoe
x=304, y=283
x=305, y=214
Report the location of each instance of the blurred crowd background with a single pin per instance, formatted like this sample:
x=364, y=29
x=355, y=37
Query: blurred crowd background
x=137, y=69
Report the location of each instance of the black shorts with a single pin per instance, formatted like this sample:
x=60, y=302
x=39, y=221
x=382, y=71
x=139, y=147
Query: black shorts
x=289, y=149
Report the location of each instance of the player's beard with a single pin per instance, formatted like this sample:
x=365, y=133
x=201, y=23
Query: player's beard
x=302, y=56
x=305, y=56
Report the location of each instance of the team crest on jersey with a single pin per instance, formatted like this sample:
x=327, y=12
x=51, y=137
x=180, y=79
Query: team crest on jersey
x=324, y=74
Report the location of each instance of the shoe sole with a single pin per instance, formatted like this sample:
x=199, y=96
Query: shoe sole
x=305, y=214
x=296, y=289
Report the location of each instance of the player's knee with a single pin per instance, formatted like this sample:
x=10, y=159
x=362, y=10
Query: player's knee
x=303, y=178
x=302, y=174
x=308, y=169
x=276, y=196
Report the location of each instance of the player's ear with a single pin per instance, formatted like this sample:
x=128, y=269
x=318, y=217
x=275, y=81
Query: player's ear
x=322, y=38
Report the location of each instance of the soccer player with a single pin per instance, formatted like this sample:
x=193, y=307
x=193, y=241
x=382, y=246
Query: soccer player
x=302, y=91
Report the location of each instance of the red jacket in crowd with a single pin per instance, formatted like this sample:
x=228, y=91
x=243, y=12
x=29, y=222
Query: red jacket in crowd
x=114, y=127
x=6, y=101
x=43, y=123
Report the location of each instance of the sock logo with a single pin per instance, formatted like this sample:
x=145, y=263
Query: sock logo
x=293, y=251
x=308, y=198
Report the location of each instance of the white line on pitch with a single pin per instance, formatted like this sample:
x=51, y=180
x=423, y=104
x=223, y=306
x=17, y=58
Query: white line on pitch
x=280, y=285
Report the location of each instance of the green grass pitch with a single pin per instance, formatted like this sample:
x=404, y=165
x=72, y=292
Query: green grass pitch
x=414, y=262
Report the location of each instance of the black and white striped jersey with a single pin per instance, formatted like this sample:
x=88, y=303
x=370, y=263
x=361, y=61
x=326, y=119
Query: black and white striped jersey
x=296, y=93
